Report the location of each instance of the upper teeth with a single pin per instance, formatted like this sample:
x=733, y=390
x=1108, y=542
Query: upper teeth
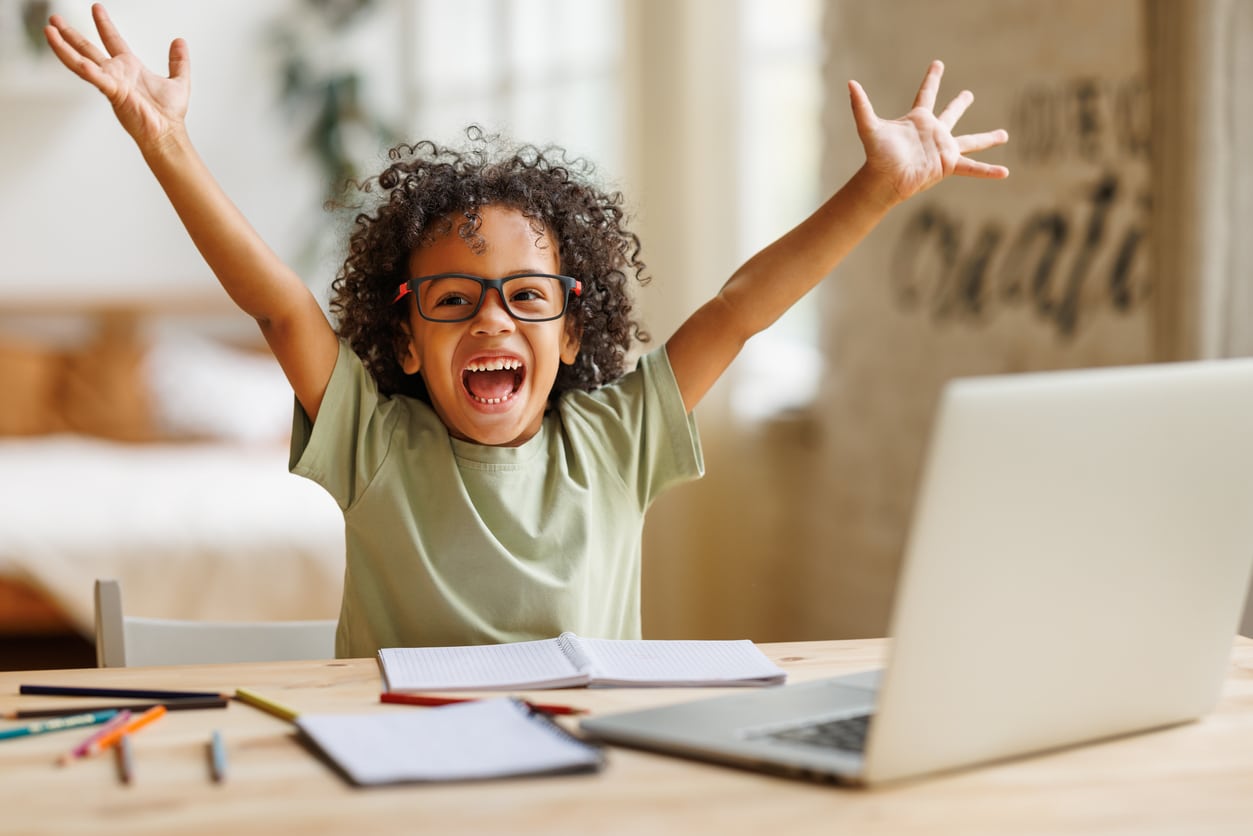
x=495, y=365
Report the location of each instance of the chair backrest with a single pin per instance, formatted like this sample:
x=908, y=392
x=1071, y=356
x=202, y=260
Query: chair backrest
x=1246, y=623
x=129, y=641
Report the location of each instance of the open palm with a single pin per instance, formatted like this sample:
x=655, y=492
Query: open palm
x=918, y=150
x=148, y=105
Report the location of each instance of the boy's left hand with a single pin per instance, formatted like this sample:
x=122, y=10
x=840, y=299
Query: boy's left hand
x=918, y=150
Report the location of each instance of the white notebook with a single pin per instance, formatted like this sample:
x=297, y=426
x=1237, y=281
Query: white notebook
x=490, y=738
x=570, y=661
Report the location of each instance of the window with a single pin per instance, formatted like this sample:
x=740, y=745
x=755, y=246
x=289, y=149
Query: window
x=780, y=146
x=535, y=70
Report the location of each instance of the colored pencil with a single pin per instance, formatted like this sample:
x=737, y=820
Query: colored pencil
x=184, y=704
x=83, y=748
x=125, y=759
x=217, y=757
x=122, y=693
x=134, y=724
x=52, y=724
x=266, y=704
x=423, y=699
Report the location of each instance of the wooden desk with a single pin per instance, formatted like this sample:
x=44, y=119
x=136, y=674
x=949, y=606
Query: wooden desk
x=1191, y=779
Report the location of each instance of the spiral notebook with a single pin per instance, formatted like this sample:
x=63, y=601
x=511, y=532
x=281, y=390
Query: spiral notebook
x=492, y=738
x=571, y=661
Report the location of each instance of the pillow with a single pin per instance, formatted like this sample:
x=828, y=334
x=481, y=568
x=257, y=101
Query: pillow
x=29, y=378
x=103, y=389
x=202, y=388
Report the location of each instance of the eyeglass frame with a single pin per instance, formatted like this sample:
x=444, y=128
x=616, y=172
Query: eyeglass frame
x=569, y=283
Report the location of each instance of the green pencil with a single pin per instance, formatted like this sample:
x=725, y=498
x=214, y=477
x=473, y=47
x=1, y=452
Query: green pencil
x=52, y=724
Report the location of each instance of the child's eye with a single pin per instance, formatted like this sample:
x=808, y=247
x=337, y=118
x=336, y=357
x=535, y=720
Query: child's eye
x=451, y=299
x=527, y=294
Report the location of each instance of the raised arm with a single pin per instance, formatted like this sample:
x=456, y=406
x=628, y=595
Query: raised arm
x=152, y=109
x=903, y=157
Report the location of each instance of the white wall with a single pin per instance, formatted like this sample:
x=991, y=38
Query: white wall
x=79, y=210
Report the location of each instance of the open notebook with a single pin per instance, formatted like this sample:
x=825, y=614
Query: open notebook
x=571, y=661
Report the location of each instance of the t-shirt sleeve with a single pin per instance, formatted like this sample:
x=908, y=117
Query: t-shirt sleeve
x=644, y=431
x=344, y=448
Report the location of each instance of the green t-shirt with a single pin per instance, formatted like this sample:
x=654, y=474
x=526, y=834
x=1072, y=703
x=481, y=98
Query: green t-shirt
x=450, y=542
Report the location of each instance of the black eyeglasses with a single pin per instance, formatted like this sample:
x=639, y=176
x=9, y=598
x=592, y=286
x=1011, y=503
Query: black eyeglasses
x=456, y=297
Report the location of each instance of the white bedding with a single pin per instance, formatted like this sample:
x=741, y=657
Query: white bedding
x=207, y=530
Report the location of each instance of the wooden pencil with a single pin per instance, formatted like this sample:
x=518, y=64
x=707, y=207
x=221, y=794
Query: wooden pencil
x=428, y=700
x=266, y=704
x=132, y=725
x=217, y=757
x=121, y=693
x=82, y=749
x=184, y=704
x=125, y=759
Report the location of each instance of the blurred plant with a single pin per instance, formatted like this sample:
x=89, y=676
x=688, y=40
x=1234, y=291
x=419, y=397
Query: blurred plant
x=35, y=14
x=324, y=94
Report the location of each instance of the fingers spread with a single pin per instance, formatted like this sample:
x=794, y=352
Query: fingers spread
x=930, y=86
x=84, y=67
x=75, y=39
x=967, y=167
x=109, y=36
x=180, y=59
x=954, y=110
x=979, y=142
x=863, y=111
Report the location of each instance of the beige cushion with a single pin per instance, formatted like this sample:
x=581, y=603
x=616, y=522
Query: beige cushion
x=29, y=379
x=103, y=389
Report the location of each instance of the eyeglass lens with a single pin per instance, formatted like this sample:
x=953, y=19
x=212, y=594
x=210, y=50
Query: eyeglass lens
x=526, y=297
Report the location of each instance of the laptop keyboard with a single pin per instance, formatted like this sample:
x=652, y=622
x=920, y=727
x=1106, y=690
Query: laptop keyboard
x=847, y=733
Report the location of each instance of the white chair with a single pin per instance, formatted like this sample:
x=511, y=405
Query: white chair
x=127, y=640
x=1246, y=624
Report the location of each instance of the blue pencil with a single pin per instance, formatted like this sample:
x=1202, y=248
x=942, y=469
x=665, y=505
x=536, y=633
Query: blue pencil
x=52, y=724
x=217, y=756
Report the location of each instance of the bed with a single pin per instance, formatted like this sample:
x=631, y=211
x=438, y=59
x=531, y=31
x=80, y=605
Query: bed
x=150, y=445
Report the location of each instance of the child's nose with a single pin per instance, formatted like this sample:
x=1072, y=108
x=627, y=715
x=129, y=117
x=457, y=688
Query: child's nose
x=493, y=317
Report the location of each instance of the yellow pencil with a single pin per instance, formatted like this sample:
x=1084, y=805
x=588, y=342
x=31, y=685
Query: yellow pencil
x=277, y=709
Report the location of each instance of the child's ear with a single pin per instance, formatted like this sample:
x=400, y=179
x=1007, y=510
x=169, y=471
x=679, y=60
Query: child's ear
x=406, y=354
x=571, y=340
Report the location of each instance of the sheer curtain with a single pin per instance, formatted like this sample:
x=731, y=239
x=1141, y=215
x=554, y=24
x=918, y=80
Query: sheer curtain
x=1202, y=60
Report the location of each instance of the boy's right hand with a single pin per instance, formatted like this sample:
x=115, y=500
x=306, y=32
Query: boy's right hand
x=148, y=105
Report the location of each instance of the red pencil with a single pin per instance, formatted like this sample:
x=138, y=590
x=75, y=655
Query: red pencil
x=423, y=699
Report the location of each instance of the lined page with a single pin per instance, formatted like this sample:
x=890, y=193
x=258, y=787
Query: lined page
x=662, y=662
x=534, y=664
x=483, y=739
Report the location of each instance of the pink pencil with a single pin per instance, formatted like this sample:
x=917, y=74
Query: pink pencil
x=83, y=748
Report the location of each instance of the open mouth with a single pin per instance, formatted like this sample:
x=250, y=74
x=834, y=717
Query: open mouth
x=493, y=380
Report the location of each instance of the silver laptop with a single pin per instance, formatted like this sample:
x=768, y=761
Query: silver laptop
x=1080, y=552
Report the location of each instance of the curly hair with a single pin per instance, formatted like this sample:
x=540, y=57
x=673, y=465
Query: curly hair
x=419, y=197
